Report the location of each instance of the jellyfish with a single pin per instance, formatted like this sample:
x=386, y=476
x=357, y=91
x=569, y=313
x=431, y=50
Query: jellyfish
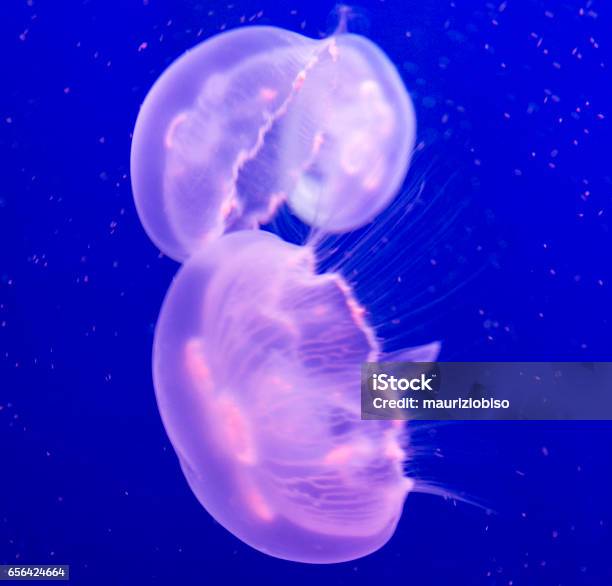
x=257, y=362
x=258, y=350
x=259, y=116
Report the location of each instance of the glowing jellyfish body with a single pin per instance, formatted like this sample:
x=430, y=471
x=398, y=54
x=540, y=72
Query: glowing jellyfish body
x=258, y=116
x=257, y=373
x=257, y=358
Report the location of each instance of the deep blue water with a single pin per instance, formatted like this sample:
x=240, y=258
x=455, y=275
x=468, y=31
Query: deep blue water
x=511, y=246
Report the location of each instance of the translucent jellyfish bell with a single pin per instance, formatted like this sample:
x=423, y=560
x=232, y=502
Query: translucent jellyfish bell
x=257, y=372
x=259, y=115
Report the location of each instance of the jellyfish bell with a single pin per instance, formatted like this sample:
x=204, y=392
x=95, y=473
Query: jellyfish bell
x=257, y=364
x=257, y=116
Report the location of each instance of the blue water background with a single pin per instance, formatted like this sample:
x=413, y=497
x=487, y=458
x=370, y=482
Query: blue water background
x=513, y=103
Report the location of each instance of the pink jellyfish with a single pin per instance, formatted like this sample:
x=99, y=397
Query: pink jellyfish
x=257, y=372
x=258, y=116
x=257, y=357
